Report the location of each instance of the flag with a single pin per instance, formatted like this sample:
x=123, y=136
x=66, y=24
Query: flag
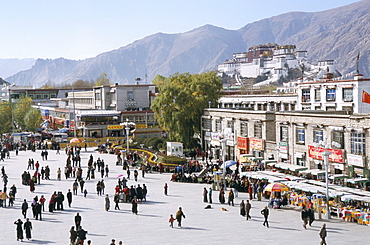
x=365, y=97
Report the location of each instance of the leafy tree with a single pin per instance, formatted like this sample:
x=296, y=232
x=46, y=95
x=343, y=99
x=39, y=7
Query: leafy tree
x=32, y=120
x=21, y=108
x=49, y=85
x=83, y=84
x=102, y=80
x=6, y=117
x=180, y=103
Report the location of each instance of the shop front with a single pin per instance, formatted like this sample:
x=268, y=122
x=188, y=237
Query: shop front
x=336, y=160
x=115, y=130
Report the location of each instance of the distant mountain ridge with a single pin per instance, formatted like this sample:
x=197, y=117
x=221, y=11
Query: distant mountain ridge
x=338, y=34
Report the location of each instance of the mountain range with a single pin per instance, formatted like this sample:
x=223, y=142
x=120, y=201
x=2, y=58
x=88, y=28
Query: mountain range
x=338, y=34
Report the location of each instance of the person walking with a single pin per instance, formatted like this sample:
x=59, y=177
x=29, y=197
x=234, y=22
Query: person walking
x=323, y=234
x=19, y=229
x=311, y=216
x=134, y=203
x=230, y=199
x=304, y=216
x=165, y=189
x=72, y=235
x=28, y=227
x=265, y=212
x=179, y=215
x=69, y=197
x=107, y=203
x=24, y=208
x=242, y=208
x=205, y=194
x=78, y=220
x=116, y=201
x=248, y=207
x=210, y=194
x=171, y=220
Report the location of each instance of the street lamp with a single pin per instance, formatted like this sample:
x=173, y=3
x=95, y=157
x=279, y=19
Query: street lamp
x=223, y=142
x=129, y=127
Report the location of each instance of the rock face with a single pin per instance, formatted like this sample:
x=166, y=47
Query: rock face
x=338, y=34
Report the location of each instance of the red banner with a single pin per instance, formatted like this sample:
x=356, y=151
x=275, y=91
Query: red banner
x=317, y=153
x=243, y=143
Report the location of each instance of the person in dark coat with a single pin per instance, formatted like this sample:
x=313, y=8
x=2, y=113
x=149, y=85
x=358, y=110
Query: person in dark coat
x=69, y=197
x=24, y=208
x=19, y=229
x=78, y=220
x=248, y=207
x=304, y=215
x=116, y=201
x=179, y=215
x=205, y=195
x=81, y=235
x=38, y=209
x=72, y=235
x=265, y=212
x=242, y=208
x=323, y=234
x=28, y=227
x=139, y=193
x=134, y=203
x=311, y=216
x=221, y=196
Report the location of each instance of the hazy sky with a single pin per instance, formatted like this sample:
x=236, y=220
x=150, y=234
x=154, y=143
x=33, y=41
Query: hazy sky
x=79, y=29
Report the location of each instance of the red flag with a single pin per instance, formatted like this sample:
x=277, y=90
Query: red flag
x=365, y=97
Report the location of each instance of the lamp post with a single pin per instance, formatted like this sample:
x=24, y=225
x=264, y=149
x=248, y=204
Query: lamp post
x=223, y=142
x=127, y=125
x=326, y=154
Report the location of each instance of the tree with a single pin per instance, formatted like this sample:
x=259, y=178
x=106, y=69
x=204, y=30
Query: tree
x=102, y=80
x=83, y=84
x=6, y=117
x=180, y=103
x=32, y=120
x=21, y=109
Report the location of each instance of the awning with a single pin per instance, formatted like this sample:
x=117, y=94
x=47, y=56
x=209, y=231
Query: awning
x=290, y=167
x=338, y=176
x=358, y=180
x=314, y=172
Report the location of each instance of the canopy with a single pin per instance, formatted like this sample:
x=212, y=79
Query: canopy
x=276, y=187
x=338, y=176
x=75, y=140
x=228, y=164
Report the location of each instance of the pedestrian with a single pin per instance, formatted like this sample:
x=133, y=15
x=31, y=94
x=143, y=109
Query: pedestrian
x=323, y=234
x=72, y=235
x=248, y=207
x=136, y=173
x=59, y=174
x=242, y=208
x=19, y=229
x=311, y=216
x=38, y=208
x=85, y=193
x=128, y=173
x=304, y=216
x=28, y=227
x=221, y=196
x=75, y=187
x=171, y=220
x=107, y=202
x=165, y=189
x=265, y=213
x=116, y=201
x=69, y=197
x=106, y=171
x=81, y=235
x=179, y=215
x=230, y=199
x=210, y=194
x=78, y=220
x=113, y=242
x=24, y=208
x=134, y=203
x=205, y=194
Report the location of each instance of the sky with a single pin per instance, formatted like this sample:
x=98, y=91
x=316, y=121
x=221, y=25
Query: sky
x=79, y=29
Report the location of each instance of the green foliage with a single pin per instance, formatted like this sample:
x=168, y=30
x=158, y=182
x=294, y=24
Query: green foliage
x=181, y=101
x=102, y=80
x=153, y=142
x=21, y=108
x=174, y=160
x=32, y=120
x=6, y=117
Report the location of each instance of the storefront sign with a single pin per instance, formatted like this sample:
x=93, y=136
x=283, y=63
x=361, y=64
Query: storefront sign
x=355, y=160
x=359, y=171
x=317, y=153
x=283, y=147
x=243, y=143
x=115, y=127
x=256, y=144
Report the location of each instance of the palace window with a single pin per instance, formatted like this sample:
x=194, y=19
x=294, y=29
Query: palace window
x=348, y=94
x=317, y=94
x=305, y=95
x=358, y=143
x=330, y=94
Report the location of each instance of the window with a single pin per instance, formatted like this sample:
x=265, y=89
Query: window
x=207, y=123
x=357, y=143
x=284, y=134
x=258, y=130
x=330, y=94
x=317, y=94
x=300, y=132
x=53, y=95
x=305, y=95
x=130, y=95
x=230, y=124
x=318, y=136
x=348, y=94
x=330, y=108
x=46, y=96
x=337, y=138
x=97, y=96
x=244, y=129
x=218, y=125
